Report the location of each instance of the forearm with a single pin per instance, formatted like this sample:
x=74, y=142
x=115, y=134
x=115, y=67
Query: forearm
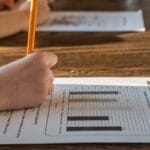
x=12, y=22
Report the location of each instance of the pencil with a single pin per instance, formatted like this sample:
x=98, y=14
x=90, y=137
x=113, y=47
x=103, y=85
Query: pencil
x=32, y=26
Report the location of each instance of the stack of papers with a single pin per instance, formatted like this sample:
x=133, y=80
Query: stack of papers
x=117, y=21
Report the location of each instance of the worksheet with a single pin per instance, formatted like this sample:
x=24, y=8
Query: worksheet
x=94, y=21
x=84, y=110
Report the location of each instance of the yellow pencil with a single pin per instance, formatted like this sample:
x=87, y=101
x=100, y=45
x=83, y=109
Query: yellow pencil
x=32, y=26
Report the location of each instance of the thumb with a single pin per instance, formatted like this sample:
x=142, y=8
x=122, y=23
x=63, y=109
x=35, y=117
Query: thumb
x=50, y=58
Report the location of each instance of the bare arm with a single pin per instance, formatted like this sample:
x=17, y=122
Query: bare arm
x=14, y=21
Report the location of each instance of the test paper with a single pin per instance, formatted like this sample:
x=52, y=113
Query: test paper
x=84, y=110
x=97, y=21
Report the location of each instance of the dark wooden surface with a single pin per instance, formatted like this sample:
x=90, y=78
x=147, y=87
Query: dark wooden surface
x=90, y=54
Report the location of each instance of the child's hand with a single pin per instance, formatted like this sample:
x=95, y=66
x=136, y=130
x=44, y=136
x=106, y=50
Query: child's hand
x=17, y=19
x=43, y=10
x=26, y=82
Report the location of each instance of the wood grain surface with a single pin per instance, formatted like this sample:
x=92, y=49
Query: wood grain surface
x=89, y=54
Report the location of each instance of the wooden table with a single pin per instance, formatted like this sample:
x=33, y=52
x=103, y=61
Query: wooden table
x=90, y=54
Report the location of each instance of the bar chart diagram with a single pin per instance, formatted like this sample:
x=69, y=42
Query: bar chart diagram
x=99, y=110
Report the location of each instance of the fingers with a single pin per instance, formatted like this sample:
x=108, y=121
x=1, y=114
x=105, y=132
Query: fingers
x=50, y=82
x=50, y=76
x=47, y=58
x=50, y=87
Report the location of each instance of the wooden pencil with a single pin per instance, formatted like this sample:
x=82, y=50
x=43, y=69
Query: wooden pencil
x=32, y=26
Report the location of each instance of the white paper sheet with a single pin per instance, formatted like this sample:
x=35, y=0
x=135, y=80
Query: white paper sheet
x=118, y=21
x=84, y=110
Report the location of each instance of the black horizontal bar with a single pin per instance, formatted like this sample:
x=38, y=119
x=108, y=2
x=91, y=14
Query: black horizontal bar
x=92, y=100
x=102, y=128
x=92, y=92
x=86, y=118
